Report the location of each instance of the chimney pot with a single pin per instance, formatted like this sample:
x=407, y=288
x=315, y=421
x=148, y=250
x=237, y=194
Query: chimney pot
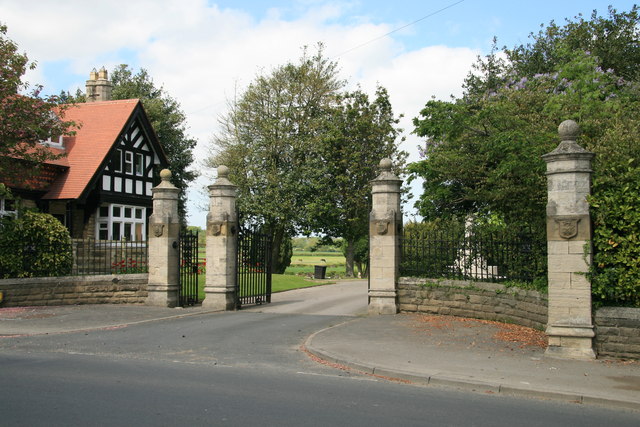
x=98, y=86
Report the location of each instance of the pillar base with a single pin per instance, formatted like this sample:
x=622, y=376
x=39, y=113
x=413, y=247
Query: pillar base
x=570, y=342
x=162, y=295
x=219, y=299
x=382, y=302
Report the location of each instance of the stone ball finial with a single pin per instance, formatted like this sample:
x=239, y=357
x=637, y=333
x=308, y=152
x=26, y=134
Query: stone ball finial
x=223, y=171
x=568, y=130
x=385, y=164
x=165, y=174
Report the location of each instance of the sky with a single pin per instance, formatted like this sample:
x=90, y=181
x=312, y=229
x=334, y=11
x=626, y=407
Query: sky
x=202, y=52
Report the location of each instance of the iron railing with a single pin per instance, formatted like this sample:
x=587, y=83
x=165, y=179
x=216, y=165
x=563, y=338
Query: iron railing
x=461, y=255
x=80, y=257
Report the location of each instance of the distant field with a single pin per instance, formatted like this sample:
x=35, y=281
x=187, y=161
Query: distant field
x=303, y=263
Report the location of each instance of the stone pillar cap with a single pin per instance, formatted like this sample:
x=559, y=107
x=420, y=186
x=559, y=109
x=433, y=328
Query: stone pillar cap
x=165, y=183
x=223, y=177
x=568, y=131
x=385, y=171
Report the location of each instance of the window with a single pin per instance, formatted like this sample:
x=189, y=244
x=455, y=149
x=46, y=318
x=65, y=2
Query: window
x=139, y=164
x=53, y=141
x=117, y=161
x=121, y=222
x=7, y=207
x=128, y=162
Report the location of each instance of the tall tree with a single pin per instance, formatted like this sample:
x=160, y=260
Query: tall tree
x=355, y=135
x=168, y=121
x=482, y=153
x=267, y=139
x=26, y=118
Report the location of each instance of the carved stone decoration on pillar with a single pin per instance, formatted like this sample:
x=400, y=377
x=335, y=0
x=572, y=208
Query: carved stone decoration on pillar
x=569, y=326
x=164, y=231
x=385, y=228
x=222, y=243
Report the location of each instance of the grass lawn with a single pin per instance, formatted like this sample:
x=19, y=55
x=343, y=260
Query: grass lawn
x=298, y=273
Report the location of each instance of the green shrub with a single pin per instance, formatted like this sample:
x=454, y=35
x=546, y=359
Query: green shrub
x=34, y=245
x=615, y=271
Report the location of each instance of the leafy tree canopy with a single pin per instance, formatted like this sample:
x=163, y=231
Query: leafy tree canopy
x=26, y=118
x=303, y=151
x=356, y=134
x=483, y=150
x=268, y=138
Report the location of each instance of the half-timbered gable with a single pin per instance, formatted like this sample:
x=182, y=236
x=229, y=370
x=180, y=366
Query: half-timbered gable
x=114, y=160
x=101, y=188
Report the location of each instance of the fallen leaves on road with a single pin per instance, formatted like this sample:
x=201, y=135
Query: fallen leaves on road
x=12, y=313
x=521, y=335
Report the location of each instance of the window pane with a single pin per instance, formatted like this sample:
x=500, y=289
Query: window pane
x=9, y=205
x=138, y=232
x=116, y=211
x=127, y=212
x=139, y=164
x=128, y=162
x=117, y=161
x=115, y=234
x=103, y=231
x=127, y=231
x=138, y=213
x=104, y=211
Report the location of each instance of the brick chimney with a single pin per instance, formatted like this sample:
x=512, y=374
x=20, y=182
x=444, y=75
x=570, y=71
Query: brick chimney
x=98, y=86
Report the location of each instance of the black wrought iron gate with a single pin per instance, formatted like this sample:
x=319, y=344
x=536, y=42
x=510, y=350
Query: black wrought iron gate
x=189, y=268
x=253, y=268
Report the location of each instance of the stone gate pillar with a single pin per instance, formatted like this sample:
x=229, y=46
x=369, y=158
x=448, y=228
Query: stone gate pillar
x=569, y=326
x=385, y=227
x=222, y=243
x=164, y=230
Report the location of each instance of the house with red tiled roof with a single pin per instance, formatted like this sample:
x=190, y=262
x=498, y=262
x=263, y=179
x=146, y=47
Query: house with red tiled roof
x=101, y=188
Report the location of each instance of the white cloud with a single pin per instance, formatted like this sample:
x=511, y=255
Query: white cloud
x=199, y=52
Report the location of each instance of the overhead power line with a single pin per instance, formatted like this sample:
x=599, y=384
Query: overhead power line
x=400, y=28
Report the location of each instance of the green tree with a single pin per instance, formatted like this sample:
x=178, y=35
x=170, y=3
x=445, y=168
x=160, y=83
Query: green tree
x=613, y=39
x=355, y=135
x=26, y=118
x=168, y=121
x=268, y=138
x=482, y=152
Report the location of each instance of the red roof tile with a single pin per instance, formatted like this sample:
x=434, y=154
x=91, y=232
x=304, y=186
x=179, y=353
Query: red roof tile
x=100, y=124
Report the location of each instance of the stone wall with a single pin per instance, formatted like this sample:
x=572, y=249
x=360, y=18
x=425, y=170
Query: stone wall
x=618, y=332
x=617, y=328
x=107, y=289
x=488, y=301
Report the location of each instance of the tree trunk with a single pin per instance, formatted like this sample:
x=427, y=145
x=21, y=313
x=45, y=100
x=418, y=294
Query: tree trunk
x=281, y=251
x=361, y=272
x=350, y=255
x=276, y=265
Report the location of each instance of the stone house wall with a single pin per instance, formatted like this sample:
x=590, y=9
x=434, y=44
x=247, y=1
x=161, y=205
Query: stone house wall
x=68, y=290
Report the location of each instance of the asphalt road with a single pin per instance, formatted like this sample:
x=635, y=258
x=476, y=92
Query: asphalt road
x=243, y=368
